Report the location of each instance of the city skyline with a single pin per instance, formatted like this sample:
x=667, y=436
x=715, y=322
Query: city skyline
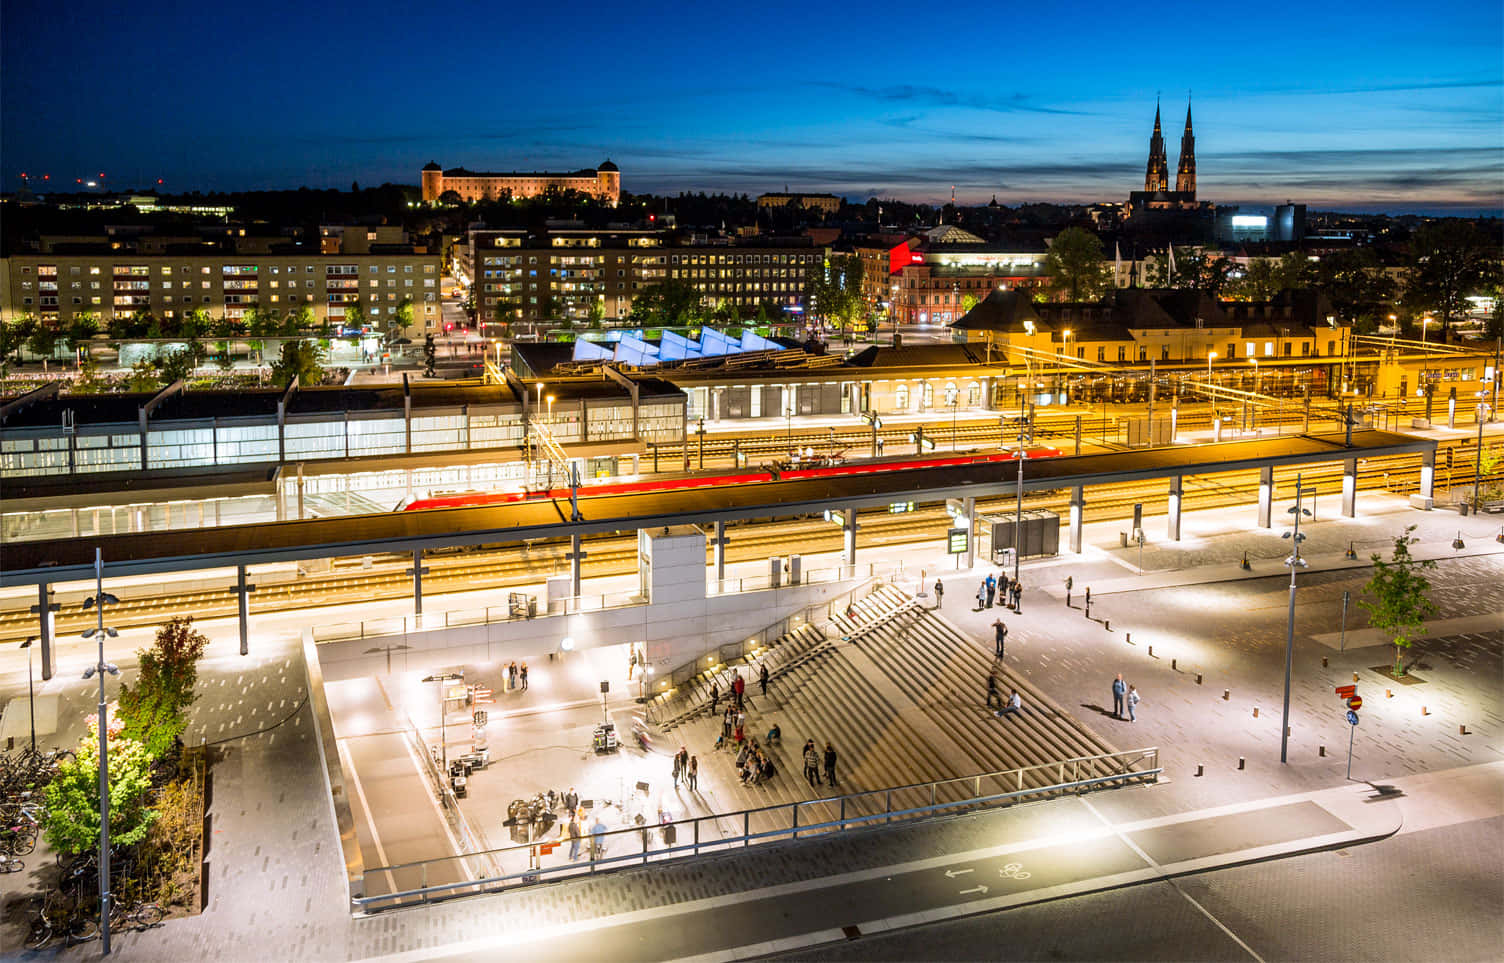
x=1304, y=105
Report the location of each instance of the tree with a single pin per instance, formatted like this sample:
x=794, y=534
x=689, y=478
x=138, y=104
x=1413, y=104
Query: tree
x=506, y=313
x=222, y=356
x=669, y=303
x=402, y=318
x=83, y=326
x=1195, y=270
x=1400, y=605
x=355, y=316
x=13, y=334
x=43, y=340
x=597, y=314
x=89, y=382
x=176, y=365
x=1260, y=281
x=301, y=359
x=298, y=321
x=143, y=376
x=154, y=710
x=1450, y=260
x=196, y=323
x=70, y=815
x=1076, y=265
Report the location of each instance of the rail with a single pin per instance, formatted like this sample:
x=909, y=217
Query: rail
x=647, y=841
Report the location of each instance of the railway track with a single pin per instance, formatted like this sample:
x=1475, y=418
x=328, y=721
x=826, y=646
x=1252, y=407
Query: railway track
x=512, y=566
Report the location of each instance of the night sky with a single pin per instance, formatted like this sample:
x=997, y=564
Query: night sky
x=1383, y=106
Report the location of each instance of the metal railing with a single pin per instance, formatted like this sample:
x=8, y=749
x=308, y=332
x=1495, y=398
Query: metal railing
x=640, y=840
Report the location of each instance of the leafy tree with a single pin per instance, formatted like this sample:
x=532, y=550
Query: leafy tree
x=43, y=340
x=70, y=815
x=597, y=315
x=669, y=303
x=196, y=323
x=1450, y=260
x=301, y=359
x=84, y=326
x=261, y=322
x=13, y=334
x=1399, y=605
x=1195, y=270
x=1076, y=265
x=177, y=365
x=1261, y=281
x=222, y=356
x=355, y=316
x=506, y=313
x=154, y=710
x=402, y=318
x=89, y=382
x=298, y=321
x=143, y=376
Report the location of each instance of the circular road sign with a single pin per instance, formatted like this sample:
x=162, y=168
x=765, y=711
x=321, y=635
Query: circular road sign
x=1352, y=718
x=1355, y=702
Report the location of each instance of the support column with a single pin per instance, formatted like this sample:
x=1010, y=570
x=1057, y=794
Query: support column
x=1078, y=509
x=969, y=512
x=243, y=608
x=576, y=562
x=848, y=532
x=1266, y=496
x=1173, y=518
x=1350, y=488
x=718, y=547
x=1427, y=475
x=417, y=572
x=44, y=610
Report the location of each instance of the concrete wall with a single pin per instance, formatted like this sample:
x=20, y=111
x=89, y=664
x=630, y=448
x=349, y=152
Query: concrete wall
x=673, y=632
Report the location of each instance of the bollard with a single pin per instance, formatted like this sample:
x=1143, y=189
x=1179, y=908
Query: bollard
x=1389, y=693
x=1198, y=770
x=1245, y=566
x=1424, y=711
x=1151, y=651
x=1321, y=750
x=1355, y=677
x=1198, y=678
x=1173, y=667
x=1323, y=662
x=1240, y=762
x=1351, y=552
x=1226, y=694
x=1107, y=624
x=1255, y=712
x=1462, y=730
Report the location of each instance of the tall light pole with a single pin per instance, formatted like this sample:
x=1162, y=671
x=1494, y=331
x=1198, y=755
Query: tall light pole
x=98, y=601
x=31, y=697
x=1210, y=357
x=1477, y=468
x=1295, y=562
x=1018, y=518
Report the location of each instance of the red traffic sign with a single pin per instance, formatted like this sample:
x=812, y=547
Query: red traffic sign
x=1355, y=702
x=1347, y=691
x=481, y=690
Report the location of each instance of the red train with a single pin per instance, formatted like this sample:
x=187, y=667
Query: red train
x=680, y=482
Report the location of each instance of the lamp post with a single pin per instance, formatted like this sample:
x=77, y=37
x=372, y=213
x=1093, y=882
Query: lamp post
x=98, y=601
x=1478, y=467
x=1210, y=357
x=31, y=697
x=954, y=404
x=1295, y=562
x=788, y=414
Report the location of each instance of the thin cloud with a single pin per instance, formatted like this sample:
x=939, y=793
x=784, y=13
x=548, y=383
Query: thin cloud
x=940, y=97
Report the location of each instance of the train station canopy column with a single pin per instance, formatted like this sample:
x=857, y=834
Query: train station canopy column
x=718, y=550
x=243, y=592
x=1350, y=488
x=848, y=532
x=45, y=610
x=1172, y=517
x=1427, y=476
x=576, y=563
x=1266, y=496
x=417, y=572
x=969, y=519
x=1078, y=509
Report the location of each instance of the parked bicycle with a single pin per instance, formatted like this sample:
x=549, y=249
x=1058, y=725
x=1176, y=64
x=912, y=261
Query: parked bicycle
x=10, y=864
x=54, y=920
x=139, y=915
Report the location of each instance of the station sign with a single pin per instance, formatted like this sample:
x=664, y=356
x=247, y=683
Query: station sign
x=958, y=540
x=900, y=508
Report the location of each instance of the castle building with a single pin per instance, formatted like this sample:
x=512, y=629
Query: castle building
x=604, y=182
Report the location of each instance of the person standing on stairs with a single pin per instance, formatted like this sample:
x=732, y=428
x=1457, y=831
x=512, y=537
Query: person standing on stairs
x=830, y=764
x=738, y=688
x=1000, y=634
x=762, y=678
x=715, y=696
x=811, y=763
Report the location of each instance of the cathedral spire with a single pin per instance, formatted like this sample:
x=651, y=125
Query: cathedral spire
x=1157, y=177
x=1185, y=174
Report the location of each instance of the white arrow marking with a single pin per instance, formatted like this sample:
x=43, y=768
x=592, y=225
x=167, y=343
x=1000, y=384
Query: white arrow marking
x=974, y=889
x=953, y=873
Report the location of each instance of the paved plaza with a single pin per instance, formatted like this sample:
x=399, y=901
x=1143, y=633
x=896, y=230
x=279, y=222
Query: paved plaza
x=276, y=881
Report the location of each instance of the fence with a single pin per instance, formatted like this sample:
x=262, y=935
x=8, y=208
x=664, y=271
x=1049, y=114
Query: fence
x=642, y=840
x=406, y=624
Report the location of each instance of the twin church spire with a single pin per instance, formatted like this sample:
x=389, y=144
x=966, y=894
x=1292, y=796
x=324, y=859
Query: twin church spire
x=1157, y=177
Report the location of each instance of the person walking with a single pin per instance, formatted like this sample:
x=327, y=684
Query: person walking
x=715, y=696
x=811, y=764
x=830, y=764
x=694, y=773
x=991, y=589
x=762, y=678
x=1068, y=583
x=576, y=837
x=1119, y=690
x=939, y=592
x=992, y=689
x=1000, y=636
x=1132, y=703
x=522, y=675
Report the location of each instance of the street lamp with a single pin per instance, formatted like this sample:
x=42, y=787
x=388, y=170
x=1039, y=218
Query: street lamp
x=954, y=405
x=788, y=413
x=1478, y=467
x=31, y=697
x=1210, y=357
x=98, y=601
x=1295, y=562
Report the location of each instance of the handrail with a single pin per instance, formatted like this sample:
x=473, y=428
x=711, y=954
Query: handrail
x=1121, y=769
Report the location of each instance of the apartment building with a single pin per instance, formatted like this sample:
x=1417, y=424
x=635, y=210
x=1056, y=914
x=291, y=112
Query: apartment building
x=65, y=280
x=566, y=273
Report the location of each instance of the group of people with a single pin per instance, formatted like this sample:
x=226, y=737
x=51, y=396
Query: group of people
x=1014, y=702
x=516, y=676
x=1006, y=591
x=813, y=759
x=1124, y=696
x=687, y=768
x=753, y=765
x=733, y=727
x=737, y=694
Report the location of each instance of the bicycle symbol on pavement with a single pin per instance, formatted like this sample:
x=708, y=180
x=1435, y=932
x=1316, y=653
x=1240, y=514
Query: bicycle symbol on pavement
x=1014, y=871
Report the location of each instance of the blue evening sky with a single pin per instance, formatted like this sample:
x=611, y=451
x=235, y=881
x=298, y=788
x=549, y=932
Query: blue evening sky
x=1383, y=105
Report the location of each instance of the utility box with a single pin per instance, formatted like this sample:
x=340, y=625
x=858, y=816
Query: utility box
x=795, y=569
x=1142, y=432
x=1040, y=534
